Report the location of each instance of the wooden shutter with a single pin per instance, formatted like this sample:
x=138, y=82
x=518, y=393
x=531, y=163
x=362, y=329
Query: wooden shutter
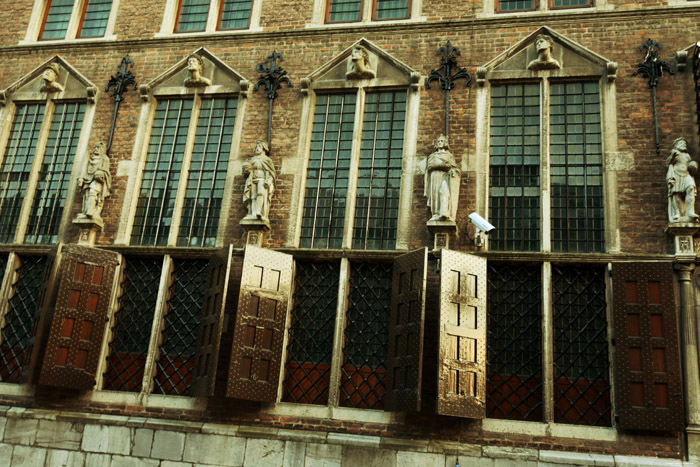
x=215, y=302
x=647, y=361
x=405, y=355
x=86, y=280
x=462, y=347
x=258, y=337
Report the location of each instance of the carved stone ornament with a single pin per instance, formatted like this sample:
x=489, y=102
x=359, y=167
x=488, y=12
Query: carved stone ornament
x=359, y=67
x=442, y=179
x=681, y=184
x=50, y=75
x=195, y=65
x=95, y=184
x=260, y=174
x=544, y=44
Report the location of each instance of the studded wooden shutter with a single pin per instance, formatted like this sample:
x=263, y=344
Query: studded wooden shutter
x=215, y=302
x=647, y=361
x=462, y=348
x=404, y=364
x=256, y=357
x=86, y=280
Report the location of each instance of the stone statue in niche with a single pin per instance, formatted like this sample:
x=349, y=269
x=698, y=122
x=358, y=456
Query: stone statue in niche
x=96, y=183
x=260, y=183
x=681, y=184
x=195, y=65
x=544, y=45
x=442, y=178
x=50, y=75
x=359, y=67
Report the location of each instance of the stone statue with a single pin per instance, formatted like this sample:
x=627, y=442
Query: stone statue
x=96, y=183
x=359, y=64
x=442, y=178
x=544, y=61
x=50, y=75
x=195, y=65
x=681, y=184
x=260, y=182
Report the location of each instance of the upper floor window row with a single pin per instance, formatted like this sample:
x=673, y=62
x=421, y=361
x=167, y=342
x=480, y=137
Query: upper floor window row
x=73, y=19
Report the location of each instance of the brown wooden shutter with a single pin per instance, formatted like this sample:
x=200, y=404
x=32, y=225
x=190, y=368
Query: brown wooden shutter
x=647, y=361
x=405, y=355
x=462, y=353
x=86, y=279
x=215, y=302
x=263, y=303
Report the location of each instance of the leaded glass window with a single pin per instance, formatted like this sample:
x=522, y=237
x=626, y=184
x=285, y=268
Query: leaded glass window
x=576, y=168
x=95, y=18
x=344, y=10
x=514, y=198
x=193, y=15
x=570, y=3
x=58, y=13
x=516, y=5
x=391, y=9
x=235, y=14
x=54, y=173
x=16, y=165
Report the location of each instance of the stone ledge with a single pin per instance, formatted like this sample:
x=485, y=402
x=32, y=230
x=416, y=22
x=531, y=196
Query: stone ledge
x=639, y=461
x=257, y=432
x=505, y=452
x=173, y=425
x=302, y=435
x=219, y=429
x=402, y=444
x=353, y=440
x=453, y=447
x=576, y=458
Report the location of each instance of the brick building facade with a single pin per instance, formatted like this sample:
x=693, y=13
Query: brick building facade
x=346, y=333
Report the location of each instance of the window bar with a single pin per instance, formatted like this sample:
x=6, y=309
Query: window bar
x=371, y=176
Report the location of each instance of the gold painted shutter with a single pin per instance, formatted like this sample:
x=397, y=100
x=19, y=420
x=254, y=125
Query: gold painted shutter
x=647, y=361
x=405, y=355
x=209, y=341
x=462, y=346
x=86, y=280
x=258, y=338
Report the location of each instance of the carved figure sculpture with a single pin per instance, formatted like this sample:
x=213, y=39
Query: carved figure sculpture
x=544, y=45
x=442, y=179
x=96, y=184
x=681, y=184
x=50, y=75
x=195, y=65
x=359, y=64
x=260, y=182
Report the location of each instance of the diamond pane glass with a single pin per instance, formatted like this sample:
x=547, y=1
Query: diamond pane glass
x=569, y=3
x=19, y=320
x=181, y=327
x=515, y=5
x=193, y=15
x=514, y=192
x=310, y=344
x=379, y=177
x=95, y=19
x=207, y=174
x=161, y=173
x=576, y=168
x=131, y=326
x=344, y=10
x=514, y=363
x=235, y=14
x=391, y=9
x=16, y=165
x=57, y=19
x=328, y=172
x=363, y=371
x=54, y=174
x=581, y=375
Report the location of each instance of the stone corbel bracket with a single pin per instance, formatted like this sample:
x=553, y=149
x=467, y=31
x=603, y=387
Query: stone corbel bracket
x=611, y=68
x=305, y=85
x=415, y=80
x=144, y=90
x=245, y=87
x=3, y=98
x=481, y=75
x=91, y=94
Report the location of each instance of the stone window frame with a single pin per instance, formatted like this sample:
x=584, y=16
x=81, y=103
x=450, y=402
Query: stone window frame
x=171, y=14
x=321, y=8
x=39, y=11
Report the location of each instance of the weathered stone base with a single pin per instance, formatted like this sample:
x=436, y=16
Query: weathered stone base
x=52, y=438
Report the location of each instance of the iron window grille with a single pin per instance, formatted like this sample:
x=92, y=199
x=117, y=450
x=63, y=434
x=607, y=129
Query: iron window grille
x=35, y=172
x=342, y=209
x=170, y=212
x=200, y=15
x=69, y=19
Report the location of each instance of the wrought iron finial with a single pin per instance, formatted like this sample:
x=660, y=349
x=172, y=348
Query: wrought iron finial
x=121, y=82
x=446, y=74
x=652, y=67
x=272, y=77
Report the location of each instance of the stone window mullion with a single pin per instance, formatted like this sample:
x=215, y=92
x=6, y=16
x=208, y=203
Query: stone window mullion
x=354, y=168
x=339, y=334
x=545, y=182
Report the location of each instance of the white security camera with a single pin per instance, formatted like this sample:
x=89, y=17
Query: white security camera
x=481, y=223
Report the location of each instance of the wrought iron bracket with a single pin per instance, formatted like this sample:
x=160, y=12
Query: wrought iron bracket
x=120, y=82
x=653, y=69
x=446, y=74
x=272, y=78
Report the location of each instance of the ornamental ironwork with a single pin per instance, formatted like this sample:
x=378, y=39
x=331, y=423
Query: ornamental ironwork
x=446, y=74
x=120, y=82
x=272, y=78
